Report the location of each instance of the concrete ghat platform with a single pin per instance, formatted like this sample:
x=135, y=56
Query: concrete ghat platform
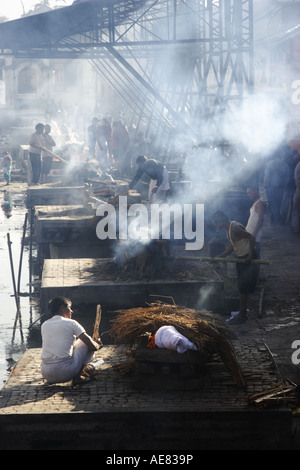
x=48, y=194
x=59, y=229
x=85, y=280
x=110, y=413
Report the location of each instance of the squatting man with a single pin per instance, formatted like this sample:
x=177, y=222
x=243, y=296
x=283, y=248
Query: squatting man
x=66, y=347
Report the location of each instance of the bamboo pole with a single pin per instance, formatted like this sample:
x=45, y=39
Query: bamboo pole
x=55, y=156
x=223, y=260
x=21, y=255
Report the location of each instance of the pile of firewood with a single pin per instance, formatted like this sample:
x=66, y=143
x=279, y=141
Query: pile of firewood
x=279, y=394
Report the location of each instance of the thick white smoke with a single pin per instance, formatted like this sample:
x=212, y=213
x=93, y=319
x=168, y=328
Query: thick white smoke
x=258, y=125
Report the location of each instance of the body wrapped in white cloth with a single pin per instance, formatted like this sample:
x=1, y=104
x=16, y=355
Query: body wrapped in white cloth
x=168, y=337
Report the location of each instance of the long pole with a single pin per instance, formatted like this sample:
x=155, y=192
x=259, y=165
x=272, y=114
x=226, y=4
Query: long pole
x=224, y=260
x=16, y=294
x=21, y=255
x=55, y=156
x=12, y=272
x=30, y=250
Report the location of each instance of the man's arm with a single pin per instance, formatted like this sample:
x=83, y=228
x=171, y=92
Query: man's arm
x=89, y=342
x=242, y=233
x=226, y=252
x=137, y=177
x=260, y=209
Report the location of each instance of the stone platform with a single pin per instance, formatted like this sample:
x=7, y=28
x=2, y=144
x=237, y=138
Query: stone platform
x=109, y=413
x=52, y=194
x=87, y=280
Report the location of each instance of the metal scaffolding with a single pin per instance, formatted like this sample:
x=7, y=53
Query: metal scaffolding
x=177, y=65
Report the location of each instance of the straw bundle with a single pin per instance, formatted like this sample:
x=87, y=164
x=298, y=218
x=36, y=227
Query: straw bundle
x=201, y=327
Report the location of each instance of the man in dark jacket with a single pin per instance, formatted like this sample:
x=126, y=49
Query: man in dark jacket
x=159, y=178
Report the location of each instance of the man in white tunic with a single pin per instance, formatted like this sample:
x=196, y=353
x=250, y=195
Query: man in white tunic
x=242, y=243
x=66, y=347
x=256, y=218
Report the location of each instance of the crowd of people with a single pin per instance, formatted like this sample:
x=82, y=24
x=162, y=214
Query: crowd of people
x=282, y=187
x=113, y=145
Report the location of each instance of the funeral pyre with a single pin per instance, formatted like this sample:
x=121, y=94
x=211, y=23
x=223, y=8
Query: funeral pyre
x=200, y=327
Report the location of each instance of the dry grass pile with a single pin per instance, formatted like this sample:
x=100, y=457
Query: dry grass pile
x=198, y=326
x=202, y=328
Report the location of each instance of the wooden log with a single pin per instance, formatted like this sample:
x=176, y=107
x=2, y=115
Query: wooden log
x=96, y=335
x=273, y=394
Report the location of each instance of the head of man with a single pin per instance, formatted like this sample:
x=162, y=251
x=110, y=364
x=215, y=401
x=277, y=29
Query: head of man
x=39, y=128
x=220, y=219
x=61, y=306
x=141, y=161
x=253, y=193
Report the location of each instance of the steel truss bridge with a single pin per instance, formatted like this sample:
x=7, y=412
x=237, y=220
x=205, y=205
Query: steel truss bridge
x=178, y=65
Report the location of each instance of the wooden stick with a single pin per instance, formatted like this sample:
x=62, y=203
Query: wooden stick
x=21, y=255
x=224, y=260
x=96, y=335
x=54, y=155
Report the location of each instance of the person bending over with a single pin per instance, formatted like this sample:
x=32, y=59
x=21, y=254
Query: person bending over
x=159, y=178
x=66, y=347
x=242, y=244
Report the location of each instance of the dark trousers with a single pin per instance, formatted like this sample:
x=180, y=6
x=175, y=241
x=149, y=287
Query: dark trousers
x=35, y=160
x=274, y=196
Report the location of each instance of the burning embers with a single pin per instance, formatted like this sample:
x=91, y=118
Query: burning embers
x=149, y=260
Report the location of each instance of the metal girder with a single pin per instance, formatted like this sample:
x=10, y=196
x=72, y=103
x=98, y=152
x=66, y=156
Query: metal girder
x=186, y=60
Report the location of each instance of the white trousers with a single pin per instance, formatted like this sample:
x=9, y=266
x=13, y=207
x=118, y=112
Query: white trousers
x=64, y=370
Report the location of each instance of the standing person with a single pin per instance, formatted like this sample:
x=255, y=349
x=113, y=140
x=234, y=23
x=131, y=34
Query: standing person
x=292, y=159
x=295, y=222
x=101, y=150
x=276, y=178
x=107, y=132
x=159, y=183
x=36, y=145
x=120, y=141
x=47, y=157
x=242, y=243
x=7, y=164
x=256, y=218
x=66, y=347
x=91, y=131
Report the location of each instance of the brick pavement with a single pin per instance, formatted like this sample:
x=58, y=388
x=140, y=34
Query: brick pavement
x=26, y=392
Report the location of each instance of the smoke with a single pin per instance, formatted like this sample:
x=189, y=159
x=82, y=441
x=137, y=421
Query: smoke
x=258, y=125
x=205, y=294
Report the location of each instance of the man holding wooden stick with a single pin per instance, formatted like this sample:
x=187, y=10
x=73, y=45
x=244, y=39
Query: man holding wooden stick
x=242, y=243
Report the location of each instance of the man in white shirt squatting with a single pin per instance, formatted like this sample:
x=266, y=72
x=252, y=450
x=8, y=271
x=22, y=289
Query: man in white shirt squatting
x=66, y=347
